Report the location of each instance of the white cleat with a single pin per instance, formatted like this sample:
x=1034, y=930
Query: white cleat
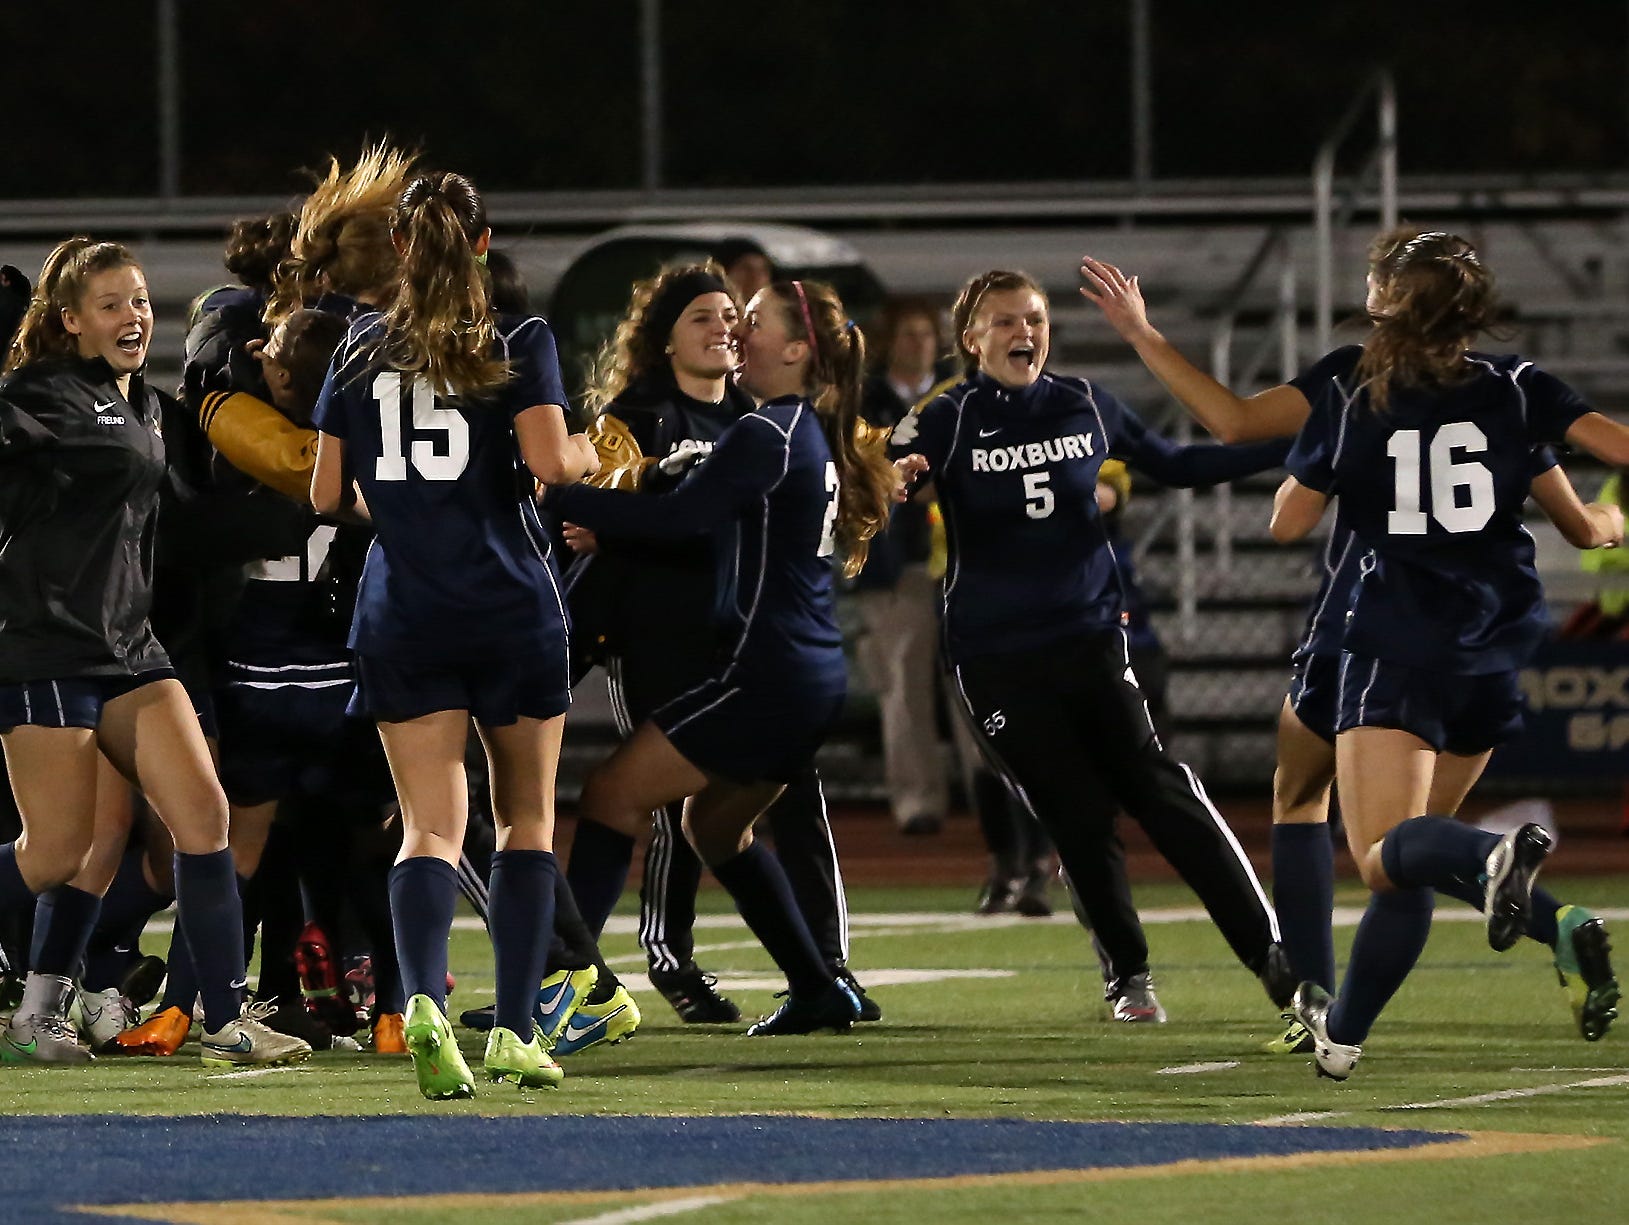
x=247, y=1042
x=1311, y=1007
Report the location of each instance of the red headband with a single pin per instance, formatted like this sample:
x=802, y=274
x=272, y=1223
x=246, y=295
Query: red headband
x=808, y=320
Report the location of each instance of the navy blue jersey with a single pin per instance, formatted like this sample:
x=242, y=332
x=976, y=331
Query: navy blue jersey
x=461, y=569
x=1433, y=489
x=768, y=492
x=296, y=610
x=1016, y=475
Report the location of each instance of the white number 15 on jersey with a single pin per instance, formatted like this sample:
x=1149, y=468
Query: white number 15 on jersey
x=445, y=463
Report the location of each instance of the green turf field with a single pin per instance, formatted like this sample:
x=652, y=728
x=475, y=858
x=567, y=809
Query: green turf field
x=1476, y=1042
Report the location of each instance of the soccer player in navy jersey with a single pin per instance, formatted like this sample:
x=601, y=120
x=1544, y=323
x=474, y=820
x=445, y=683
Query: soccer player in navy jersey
x=443, y=415
x=786, y=488
x=1303, y=881
x=1428, y=445
x=81, y=674
x=665, y=390
x=1034, y=614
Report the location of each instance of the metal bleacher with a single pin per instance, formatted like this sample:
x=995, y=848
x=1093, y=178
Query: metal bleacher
x=1228, y=603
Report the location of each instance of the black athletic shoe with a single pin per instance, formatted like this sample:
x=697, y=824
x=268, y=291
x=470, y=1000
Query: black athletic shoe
x=870, y=1010
x=143, y=980
x=482, y=1018
x=1277, y=976
x=999, y=895
x=694, y=995
x=836, y=1008
x=1034, y=900
x=1512, y=865
x=295, y=1021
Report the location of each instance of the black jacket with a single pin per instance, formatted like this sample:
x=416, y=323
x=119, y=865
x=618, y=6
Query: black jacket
x=81, y=468
x=636, y=590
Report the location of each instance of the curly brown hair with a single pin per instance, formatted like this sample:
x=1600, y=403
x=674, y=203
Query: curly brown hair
x=255, y=247
x=635, y=353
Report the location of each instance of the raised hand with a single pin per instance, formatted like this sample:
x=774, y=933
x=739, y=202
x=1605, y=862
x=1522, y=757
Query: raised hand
x=1118, y=296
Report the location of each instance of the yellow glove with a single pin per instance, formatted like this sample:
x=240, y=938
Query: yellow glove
x=622, y=464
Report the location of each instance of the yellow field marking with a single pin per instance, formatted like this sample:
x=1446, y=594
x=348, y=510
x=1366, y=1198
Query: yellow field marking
x=309, y=1212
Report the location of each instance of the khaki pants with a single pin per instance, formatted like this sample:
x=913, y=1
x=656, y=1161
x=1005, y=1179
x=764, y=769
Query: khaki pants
x=899, y=652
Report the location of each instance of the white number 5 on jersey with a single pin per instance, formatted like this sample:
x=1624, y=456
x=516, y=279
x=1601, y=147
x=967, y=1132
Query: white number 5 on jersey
x=1038, y=499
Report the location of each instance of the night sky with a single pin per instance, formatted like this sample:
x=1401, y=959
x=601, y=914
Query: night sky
x=540, y=95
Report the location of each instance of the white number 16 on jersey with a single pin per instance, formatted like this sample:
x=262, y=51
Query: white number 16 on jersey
x=446, y=464
x=1445, y=477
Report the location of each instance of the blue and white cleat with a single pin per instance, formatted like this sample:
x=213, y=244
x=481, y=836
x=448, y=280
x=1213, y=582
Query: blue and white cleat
x=610, y=1021
x=559, y=998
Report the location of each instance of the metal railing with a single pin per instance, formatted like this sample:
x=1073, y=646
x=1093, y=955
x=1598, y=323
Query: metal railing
x=1382, y=160
x=1276, y=252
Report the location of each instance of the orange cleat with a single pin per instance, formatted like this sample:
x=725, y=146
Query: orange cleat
x=161, y=1034
x=387, y=1034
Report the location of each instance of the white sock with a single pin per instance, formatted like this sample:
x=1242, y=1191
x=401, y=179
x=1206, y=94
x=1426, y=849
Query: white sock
x=46, y=995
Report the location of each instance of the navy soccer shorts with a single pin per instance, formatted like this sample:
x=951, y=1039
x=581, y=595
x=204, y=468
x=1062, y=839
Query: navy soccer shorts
x=71, y=702
x=496, y=692
x=1315, y=694
x=1463, y=715
x=749, y=733
x=279, y=740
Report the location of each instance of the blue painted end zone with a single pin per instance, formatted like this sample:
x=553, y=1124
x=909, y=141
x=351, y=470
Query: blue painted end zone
x=50, y=1161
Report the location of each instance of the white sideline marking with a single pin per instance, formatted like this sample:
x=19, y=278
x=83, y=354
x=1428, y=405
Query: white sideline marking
x=651, y=1212
x=248, y=1072
x=1507, y=1095
x=1186, y=1069
x=1305, y=1116
x=873, y=978
x=1447, y=1103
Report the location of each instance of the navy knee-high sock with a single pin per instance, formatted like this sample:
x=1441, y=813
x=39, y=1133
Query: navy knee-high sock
x=180, y=978
x=1304, y=896
x=1458, y=855
x=598, y=871
x=1435, y=852
x=522, y=926
x=423, y=895
x=209, y=910
x=63, y=920
x=126, y=907
x=1389, y=940
x=757, y=882
x=181, y=989
x=14, y=890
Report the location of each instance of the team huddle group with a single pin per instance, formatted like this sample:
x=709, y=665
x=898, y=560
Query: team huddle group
x=371, y=505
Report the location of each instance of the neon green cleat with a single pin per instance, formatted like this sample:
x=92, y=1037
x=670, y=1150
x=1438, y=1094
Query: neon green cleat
x=442, y=1072
x=527, y=1064
x=1583, y=963
x=609, y=1021
x=1295, y=1040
